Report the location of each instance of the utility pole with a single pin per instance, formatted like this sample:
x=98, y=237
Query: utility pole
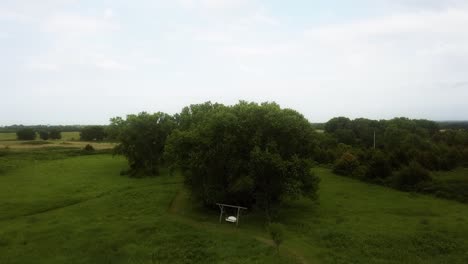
x=374, y=139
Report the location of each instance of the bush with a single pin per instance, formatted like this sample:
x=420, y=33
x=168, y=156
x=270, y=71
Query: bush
x=142, y=139
x=92, y=133
x=55, y=134
x=346, y=164
x=44, y=135
x=379, y=166
x=276, y=231
x=88, y=148
x=26, y=134
x=410, y=176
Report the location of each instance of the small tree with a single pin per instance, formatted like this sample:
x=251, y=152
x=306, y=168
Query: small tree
x=411, y=175
x=44, y=135
x=55, y=134
x=93, y=133
x=276, y=231
x=26, y=134
x=88, y=147
x=142, y=140
x=346, y=164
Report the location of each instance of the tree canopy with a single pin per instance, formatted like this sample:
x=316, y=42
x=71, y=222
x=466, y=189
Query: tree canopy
x=142, y=139
x=26, y=134
x=247, y=154
x=93, y=133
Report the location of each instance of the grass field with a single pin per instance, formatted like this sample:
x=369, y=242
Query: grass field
x=70, y=136
x=7, y=136
x=68, y=140
x=66, y=136
x=64, y=209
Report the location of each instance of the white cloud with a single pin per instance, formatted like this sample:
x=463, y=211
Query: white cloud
x=108, y=13
x=401, y=48
x=9, y=15
x=42, y=66
x=110, y=64
x=212, y=4
x=78, y=24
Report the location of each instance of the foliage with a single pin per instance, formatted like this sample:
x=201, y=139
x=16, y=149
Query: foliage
x=93, y=133
x=400, y=143
x=379, y=166
x=276, y=231
x=55, y=134
x=410, y=176
x=88, y=148
x=142, y=139
x=26, y=134
x=247, y=154
x=44, y=135
x=346, y=164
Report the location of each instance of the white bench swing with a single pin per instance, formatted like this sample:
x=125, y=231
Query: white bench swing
x=231, y=218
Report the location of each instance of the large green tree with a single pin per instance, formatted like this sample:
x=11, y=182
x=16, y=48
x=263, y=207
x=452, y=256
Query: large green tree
x=247, y=154
x=142, y=138
x=26, y=134
x=93, y=133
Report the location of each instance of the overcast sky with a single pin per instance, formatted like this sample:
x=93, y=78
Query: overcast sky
x=82, y=62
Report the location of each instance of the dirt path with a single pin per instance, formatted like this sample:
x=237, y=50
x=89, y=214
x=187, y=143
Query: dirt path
x=174, y=209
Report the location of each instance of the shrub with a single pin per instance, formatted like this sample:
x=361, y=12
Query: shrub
x=88, y=148
x=92, y=133
x=55, y=134
x=142, y=139
x=26, y=134
x=44, y=135
x=276, y=231
x=379, y=166
x=346, y=164
x=410, y=176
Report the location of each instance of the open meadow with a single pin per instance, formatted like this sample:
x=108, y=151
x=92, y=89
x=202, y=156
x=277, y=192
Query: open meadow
x=59, y=206
x=69, y=140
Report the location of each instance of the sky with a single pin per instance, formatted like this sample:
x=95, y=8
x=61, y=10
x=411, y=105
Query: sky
x=83, y=62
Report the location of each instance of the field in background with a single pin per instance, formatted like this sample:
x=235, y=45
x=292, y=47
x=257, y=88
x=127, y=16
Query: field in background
x=68, y=140
x=7, y=136
x=80, y=210
x=68, y=136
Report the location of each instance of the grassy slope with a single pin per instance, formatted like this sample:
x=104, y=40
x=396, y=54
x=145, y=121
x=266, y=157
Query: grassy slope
x=357, y=222
x=79, y=210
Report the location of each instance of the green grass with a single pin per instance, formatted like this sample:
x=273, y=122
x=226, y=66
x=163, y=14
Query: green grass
x=70, y=136
x=450, y=184
x=79, y=210
x=357, y=222
x=64, y=209
x=7, y=136
x=66, y=136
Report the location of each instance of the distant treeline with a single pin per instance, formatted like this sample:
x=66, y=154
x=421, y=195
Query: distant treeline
x=16, y=128
x=442, y=125
x=87, y=133
x=453, y=124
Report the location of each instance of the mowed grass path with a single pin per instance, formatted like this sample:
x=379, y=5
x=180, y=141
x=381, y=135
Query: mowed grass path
x=79, y=210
